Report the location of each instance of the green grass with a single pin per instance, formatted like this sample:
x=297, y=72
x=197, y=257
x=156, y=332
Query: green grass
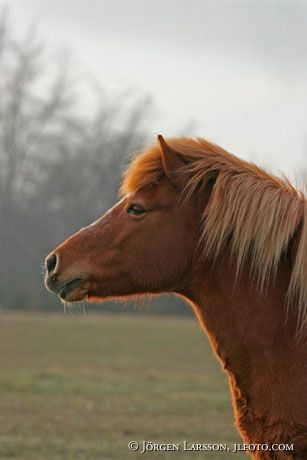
x=75, y=388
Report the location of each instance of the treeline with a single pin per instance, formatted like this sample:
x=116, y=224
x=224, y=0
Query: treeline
x=60, y=162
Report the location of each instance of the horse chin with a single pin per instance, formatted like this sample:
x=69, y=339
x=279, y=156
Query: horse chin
x=94, y=298
x=77, y=295
x=91, y=298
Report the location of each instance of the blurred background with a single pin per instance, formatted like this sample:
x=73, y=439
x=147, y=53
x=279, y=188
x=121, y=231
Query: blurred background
x=84, y=85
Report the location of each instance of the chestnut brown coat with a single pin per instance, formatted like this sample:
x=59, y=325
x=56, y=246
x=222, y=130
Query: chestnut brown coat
x=229, y=238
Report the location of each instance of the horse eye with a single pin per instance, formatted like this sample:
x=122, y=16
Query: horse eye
x=135, y=210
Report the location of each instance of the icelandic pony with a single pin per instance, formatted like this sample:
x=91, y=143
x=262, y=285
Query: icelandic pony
x=229, y=238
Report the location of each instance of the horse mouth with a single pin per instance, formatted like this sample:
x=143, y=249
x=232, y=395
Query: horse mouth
x=69, y=291
x=73, y=291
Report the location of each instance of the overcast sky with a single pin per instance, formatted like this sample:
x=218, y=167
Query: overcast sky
x=237, y=68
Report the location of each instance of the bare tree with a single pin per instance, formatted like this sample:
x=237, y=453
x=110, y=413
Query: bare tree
x=59, y=167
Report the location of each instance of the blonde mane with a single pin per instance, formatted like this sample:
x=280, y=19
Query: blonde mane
x=254, y=210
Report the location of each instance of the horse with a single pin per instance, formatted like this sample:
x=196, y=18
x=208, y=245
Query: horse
x=230, y=239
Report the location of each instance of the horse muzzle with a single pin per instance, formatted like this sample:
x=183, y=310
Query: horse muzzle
x=70, y=290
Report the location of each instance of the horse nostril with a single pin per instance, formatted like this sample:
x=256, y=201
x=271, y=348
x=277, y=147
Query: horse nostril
x=51, y=263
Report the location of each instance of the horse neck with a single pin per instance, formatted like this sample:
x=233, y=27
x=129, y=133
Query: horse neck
x=266, y=365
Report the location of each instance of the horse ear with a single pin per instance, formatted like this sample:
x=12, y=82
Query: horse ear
x=171, y=161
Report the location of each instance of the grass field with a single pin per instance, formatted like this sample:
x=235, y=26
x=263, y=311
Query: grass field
x=82, y=388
